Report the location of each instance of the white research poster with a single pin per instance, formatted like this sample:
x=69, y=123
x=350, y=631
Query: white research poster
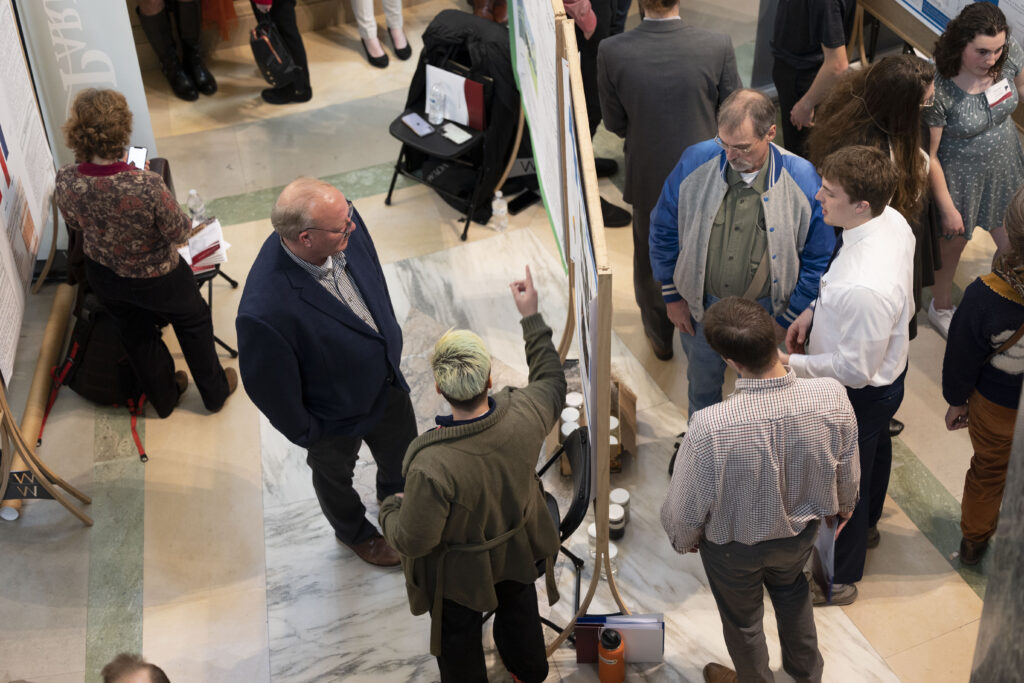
x=26, y=184
x=535, y=60
x=935, y=14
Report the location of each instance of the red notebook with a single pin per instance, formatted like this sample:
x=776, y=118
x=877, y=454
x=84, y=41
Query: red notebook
x=475, y=104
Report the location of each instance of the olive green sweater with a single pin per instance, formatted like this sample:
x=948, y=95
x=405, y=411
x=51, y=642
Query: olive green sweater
x=471, y=483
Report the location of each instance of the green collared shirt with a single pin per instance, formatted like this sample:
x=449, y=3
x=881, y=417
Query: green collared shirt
x=738, y=240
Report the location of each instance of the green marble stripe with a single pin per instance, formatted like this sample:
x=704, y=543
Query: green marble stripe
x=252, y=206
x=114, y=611
x=934, y=510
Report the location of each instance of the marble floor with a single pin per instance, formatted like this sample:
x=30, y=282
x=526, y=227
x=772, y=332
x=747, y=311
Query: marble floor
x=213, y=558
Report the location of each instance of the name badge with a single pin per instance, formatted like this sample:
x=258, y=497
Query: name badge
x=1000, y=92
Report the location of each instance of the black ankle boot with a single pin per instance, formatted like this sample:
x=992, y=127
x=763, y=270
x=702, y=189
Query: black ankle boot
x=189, y=24
x=158, y=32
x=296, y=91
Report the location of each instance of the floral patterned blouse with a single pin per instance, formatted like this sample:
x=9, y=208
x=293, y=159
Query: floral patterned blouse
x=130, y=222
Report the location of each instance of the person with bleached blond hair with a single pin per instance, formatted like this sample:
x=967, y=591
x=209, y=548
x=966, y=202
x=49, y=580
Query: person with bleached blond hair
x=472, y=523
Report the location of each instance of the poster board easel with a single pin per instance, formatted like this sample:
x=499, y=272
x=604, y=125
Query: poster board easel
x=566, y=50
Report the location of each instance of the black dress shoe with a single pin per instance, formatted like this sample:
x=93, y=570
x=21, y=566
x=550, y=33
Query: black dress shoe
x=614, y=216
x=287, y=94
x=605, y=167
x=379, y=62
x=874, y=538
x=402, y=53
x=895, y=427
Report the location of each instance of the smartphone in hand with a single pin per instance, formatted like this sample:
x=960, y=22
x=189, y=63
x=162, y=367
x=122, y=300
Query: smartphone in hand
x=137, y=157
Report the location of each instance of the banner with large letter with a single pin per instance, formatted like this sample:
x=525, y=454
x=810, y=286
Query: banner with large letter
x=75, y=45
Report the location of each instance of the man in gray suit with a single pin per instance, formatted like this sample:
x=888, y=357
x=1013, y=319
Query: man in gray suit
x=660, y=87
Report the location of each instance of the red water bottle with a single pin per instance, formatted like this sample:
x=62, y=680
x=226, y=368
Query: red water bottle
x=611, y=657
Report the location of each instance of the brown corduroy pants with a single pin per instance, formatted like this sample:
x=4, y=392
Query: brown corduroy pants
x=990, y=426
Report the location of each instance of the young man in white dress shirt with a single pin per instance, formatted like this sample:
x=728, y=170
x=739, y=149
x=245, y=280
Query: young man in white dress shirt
x=860, y=332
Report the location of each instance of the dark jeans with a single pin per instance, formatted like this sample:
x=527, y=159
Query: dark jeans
x=588, y=59
x=140, y=306
x=874, y=407
x=333, y=460
x=517, y=634
x=620, y=10
x=738, y=575
x=791, y=84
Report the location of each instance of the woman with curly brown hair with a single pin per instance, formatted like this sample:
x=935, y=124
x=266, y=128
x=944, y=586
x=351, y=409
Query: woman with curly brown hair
x=977, y=161
x=131, y=228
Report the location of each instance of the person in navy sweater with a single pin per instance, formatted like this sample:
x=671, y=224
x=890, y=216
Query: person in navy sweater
x=982, y=374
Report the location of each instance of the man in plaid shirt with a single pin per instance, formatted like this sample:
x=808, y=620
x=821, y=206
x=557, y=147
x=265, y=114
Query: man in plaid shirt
x=753, y=477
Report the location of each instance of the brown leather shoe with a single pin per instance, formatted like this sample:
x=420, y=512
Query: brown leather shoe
x=499, y=8
x=716, y=673
x=660, y=352
x=232, y=377
x=482, y=9
x=376, y=550
x=181, y=382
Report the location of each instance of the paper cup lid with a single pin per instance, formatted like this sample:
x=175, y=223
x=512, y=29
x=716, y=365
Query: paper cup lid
x=592, y=530
x=619, y=496
x=569, y=427
x=612, y=441
x=616, y=512
x=613, y=422
x=574, y=399
x=613, y=550
x=570, y=415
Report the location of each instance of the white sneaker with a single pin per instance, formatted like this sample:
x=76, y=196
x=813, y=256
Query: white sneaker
x=940, y=318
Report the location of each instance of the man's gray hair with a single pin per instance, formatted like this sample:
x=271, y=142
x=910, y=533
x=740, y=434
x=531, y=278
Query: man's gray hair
x=743, y=104
x=292, y=211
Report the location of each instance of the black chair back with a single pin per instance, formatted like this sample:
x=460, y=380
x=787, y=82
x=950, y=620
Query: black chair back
x=576, y=449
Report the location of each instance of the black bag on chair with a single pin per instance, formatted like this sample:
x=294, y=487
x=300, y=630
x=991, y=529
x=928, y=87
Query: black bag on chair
x=272, y=57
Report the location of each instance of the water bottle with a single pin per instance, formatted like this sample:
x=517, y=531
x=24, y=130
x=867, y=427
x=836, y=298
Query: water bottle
x=499, y=213
x=611, y=657
x=435, y=105
x=196, y=206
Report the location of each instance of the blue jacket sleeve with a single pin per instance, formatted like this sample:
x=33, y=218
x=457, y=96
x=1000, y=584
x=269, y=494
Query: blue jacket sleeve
x=664, y=232
x=272, y=379
x=821, y=240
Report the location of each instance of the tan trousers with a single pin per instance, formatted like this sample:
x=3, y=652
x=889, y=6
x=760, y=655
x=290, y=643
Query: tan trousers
x=990, y=426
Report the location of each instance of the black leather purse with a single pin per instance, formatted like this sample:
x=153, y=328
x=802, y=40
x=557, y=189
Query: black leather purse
x=272, y=57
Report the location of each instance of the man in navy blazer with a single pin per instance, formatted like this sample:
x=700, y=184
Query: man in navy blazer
x=319, y=352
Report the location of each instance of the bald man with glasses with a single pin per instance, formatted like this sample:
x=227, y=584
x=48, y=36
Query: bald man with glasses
x=319, y=352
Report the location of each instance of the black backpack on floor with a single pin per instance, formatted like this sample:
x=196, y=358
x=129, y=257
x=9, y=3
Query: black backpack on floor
x=96, y=366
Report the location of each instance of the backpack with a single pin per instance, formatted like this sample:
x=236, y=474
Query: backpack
x=96, y=367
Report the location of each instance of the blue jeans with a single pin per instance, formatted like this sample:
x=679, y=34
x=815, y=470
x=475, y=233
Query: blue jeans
x=705, y=370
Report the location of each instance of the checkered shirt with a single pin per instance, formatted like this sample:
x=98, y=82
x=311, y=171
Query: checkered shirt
x=334, y=277
x=775, y=455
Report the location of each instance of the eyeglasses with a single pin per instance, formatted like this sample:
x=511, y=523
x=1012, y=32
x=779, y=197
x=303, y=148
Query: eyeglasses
x=739, y=149
x=350, y=225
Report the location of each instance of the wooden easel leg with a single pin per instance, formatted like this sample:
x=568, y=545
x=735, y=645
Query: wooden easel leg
x=45, y=477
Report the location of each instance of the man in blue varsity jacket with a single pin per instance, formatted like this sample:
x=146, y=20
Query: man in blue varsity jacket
x=737, y=217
